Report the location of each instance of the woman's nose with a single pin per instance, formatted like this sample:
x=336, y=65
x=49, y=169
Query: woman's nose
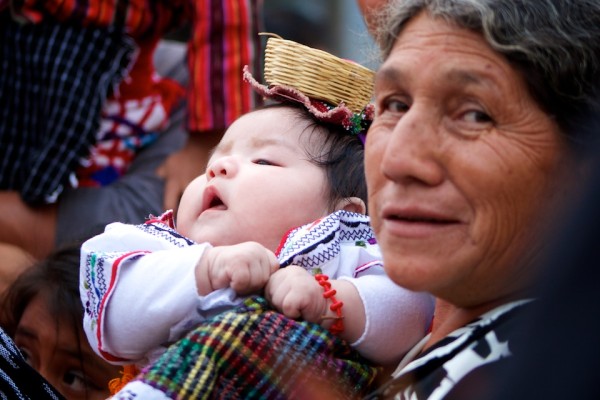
x=222, y=167
x=411, y=153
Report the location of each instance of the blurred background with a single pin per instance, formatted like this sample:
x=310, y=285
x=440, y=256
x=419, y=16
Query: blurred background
x=335, y=26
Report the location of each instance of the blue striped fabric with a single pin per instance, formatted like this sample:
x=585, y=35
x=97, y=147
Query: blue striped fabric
x=54, y=79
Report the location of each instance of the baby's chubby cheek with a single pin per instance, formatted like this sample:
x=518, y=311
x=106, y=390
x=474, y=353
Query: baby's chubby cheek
x=190, y=204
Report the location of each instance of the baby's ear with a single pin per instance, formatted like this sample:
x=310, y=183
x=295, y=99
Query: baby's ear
x=352, y=204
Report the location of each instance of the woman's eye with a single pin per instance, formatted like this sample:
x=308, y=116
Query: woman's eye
x=477, y=116
x=395, y=106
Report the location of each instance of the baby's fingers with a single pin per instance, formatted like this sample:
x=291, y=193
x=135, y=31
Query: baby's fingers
x=275, y=290
x=240, y=277
x=252, y=276
x=292, y=305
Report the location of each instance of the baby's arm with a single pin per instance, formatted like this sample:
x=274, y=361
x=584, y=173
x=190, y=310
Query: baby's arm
x=381, y=320
x=132, y=297
x=136, y=301
x=396, y=318
x=155, y=295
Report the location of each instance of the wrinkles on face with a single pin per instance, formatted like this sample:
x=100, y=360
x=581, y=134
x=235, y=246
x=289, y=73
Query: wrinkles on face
x=447, y=102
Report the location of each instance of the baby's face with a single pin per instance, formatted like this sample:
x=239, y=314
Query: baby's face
x=61, y=354
x=258, y=184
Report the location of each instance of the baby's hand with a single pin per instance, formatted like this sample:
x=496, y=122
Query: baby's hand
x=294, y=292
x=246, y=267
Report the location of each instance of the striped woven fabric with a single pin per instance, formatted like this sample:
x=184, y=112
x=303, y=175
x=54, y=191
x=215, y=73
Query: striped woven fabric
x=224, y=39
x=18, y=380
x=254, y=352
x=55, y=74
x=53, y=81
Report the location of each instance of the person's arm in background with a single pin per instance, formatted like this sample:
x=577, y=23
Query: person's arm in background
x=224, y=38
x=29, y=228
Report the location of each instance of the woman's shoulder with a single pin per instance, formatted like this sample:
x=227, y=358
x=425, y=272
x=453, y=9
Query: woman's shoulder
x=474, y=349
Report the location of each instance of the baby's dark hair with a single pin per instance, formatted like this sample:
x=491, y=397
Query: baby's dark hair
x=57, y=279
x=338, y=152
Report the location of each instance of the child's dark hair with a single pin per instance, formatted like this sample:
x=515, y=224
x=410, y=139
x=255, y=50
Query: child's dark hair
x=338, y=152
x=56, y=278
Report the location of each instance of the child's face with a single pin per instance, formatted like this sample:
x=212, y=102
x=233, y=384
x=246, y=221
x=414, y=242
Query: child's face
x=257, y=186
x=51, y=347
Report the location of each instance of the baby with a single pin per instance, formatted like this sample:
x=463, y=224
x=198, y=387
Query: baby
x=284, y=188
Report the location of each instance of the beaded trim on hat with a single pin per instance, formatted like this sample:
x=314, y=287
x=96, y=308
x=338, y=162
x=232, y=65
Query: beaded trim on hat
x=354, y=123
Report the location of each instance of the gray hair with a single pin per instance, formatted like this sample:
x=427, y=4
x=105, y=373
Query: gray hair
x=554, y=43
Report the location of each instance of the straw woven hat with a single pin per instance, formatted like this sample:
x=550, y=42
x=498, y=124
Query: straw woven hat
x=317, y=74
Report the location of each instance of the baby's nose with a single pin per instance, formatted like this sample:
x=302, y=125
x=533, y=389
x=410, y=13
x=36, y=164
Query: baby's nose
x=223, y=167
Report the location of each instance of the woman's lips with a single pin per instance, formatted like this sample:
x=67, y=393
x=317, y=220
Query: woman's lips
x=417, y=223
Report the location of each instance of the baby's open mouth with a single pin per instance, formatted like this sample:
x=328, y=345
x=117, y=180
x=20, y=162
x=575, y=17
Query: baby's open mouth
x=212, y=200
x=216, y=203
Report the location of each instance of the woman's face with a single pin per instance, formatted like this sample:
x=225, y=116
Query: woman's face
x=459, y=160
x=61, y=354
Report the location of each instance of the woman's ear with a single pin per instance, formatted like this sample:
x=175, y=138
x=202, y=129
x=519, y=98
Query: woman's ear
x=352, y=204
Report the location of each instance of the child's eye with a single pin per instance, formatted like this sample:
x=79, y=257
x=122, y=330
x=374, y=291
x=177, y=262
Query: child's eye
x=75, y=380
x=262, y=161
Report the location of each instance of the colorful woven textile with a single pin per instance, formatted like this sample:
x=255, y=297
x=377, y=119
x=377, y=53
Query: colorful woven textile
x=254, y=352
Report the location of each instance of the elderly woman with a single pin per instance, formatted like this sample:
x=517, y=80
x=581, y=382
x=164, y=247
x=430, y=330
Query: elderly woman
x=480, y=107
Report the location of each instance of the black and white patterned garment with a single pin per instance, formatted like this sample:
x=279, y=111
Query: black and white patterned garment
x=17, y=379
x=459, y=365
